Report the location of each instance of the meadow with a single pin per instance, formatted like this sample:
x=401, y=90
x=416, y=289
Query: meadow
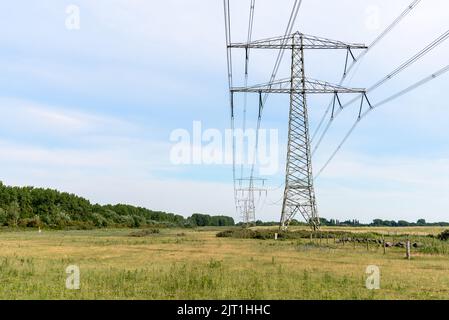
x=195, y=264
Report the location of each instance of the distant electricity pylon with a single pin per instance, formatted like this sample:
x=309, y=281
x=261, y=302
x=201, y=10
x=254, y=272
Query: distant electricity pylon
x=245, y=195
x=299, y=194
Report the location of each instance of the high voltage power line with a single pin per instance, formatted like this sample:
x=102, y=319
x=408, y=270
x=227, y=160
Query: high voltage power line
x=435, y=43
x=227, y=22
x=359, y=58
x=279, y=58
x=395, y=96
x=248, y=203
x=299, y=194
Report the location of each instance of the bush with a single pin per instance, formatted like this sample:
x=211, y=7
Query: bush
x=13, y=214
x=444, y=236
x=126, y=221
x=139, y=221
x=111, y=215
x=144, y=233
x=30, y=222
x=100, y=221
x=60, y=218
x=46, y=219
x=82, y=225
x=3, y=217
x=300, y=234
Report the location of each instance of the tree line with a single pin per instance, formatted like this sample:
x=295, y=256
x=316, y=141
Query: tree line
x=356, y=223
x=382, y=223
x=38, y=207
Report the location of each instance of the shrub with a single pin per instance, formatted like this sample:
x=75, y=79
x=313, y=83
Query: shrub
x=126, y=221
x=3, y=217
x=60, y=218
x=444, y=236
x=139, y=221
x=30, y=222
x=13, y=214
x=46, y=219
x=144, y=233
x=299, y=234
x=100, y=221
x=111, y=215
x=82, y=225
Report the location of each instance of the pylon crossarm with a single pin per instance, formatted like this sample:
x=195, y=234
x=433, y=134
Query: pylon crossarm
x=288, y=42
x=322, y=87
x=311, y=87
x=313, y=42
x=278, y=86
x=268, y=43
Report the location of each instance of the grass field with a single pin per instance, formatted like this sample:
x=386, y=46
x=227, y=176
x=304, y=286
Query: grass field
x=195, y=264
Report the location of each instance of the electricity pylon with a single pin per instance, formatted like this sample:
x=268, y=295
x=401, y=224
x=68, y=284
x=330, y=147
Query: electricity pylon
x=245, y=198
x=299, y=193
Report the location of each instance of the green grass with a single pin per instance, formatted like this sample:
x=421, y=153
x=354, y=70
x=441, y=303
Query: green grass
x=195, y=264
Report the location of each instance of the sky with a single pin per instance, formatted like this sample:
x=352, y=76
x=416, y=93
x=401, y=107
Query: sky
x=89, y=105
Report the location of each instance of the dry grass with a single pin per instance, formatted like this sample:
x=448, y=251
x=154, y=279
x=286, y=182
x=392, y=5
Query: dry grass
x=199, y=265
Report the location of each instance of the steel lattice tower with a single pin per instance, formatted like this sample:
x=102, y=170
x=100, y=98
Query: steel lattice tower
x=246, y=197
x=299, y=193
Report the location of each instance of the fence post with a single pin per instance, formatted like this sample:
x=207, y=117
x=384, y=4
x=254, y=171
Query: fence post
x=407, y=250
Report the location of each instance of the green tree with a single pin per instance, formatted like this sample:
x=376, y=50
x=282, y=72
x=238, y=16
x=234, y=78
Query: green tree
x=200, y=220
x=3, y=217
x=13, y=214
x=421, y=222
x=402, y=223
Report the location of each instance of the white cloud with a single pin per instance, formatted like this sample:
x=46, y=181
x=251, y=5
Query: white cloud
x=65, y=140
x=137, y=49
x=31, y=117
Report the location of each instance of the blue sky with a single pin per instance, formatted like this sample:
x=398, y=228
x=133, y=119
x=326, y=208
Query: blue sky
x=90, y=111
